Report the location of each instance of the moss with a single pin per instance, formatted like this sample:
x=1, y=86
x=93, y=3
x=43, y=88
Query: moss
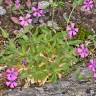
x=83, y=33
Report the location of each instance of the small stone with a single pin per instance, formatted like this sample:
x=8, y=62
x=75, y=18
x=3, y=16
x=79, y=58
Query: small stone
x=86, y=73
x=80, y=93
x=53, y=24
x=2, y=11
x=65, y=84
x=43, y=4
x=92, y=92
x=40, y=90
x=73, y=77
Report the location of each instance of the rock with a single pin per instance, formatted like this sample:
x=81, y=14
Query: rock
x=64, y=84
x=53, y=24
x=73, y=77
x=40, y=89
x=92, y=92
x=81, y=93
x=55, y=89
x=2, y=11
x=86, y=72
x=43, y=4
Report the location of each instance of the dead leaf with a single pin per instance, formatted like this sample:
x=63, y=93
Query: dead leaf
x=15, y=20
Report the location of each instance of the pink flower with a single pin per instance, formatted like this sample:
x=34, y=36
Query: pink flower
x=11, y=84
x=11, y=74
x=72, y=30
x=25, y=20
x=88, y=5
x=11, y=77
x=82, y=51
x=92, y=66
x=37, y=12
x=17, y=4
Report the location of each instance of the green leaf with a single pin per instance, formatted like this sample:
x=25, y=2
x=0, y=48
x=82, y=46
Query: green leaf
x=25, y=37
x=74, y=42
x=4, y=33
x=80, y=77
x=24, y=74
x=77, y=2
x=54, y=78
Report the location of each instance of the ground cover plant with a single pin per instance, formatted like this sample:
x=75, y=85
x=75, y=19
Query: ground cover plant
x=36, y=48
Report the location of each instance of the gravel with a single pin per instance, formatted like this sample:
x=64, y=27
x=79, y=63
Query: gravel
x=64, y=87
x=69, y=89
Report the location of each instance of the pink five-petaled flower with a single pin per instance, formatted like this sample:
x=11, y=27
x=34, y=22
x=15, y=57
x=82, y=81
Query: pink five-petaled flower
x=88, y=5
x=25, y=20
x=17, y=4
x=11, y=74
x=11, y=84
x=72, y=30
x=37, y=12
x=82, y=51
x=92, y=66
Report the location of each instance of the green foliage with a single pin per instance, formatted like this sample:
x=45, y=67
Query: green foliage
x=83, y=33
x=48, y=54
x=56, y=3
x=77, y=2
x=4, y=33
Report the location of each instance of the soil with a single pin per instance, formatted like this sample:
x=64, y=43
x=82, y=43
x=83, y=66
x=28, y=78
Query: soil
x=87, y=19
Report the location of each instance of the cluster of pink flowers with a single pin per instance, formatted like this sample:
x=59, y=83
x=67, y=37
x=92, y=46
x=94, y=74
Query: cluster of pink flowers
x=72, y=30
x=37, y=12
x=82, y=51
x=92, y=66
x=11, y=77
x=17, y=4
x=88, y=5
x=26, y=20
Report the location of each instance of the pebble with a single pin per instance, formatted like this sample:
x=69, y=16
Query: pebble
x=85, y=72
x=2, y=11
x=53, y=24
x=43, y=4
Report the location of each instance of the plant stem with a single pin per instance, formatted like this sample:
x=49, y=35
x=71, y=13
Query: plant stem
x=70, y=14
